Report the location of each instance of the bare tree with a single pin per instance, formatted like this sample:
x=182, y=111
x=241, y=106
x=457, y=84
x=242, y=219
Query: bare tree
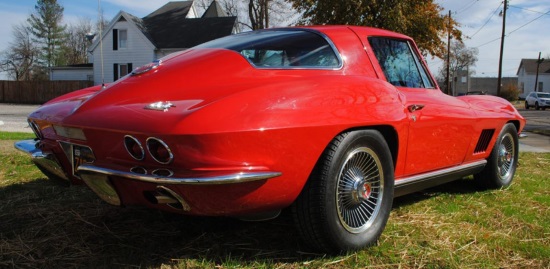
x=255, y=14
x=76, y=45
x=20, y=58
x=461, y=59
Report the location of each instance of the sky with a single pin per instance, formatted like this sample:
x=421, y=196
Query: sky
x=527, y=26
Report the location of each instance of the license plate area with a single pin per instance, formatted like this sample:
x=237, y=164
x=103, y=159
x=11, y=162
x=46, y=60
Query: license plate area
x=77, y=155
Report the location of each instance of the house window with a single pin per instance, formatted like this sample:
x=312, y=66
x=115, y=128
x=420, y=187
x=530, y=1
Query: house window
x=121, y=70
x=122, y=39
x=541, y=89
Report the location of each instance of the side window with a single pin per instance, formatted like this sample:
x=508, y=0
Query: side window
x=401, y=66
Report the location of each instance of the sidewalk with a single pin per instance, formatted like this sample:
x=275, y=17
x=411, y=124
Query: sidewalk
x=534, y=143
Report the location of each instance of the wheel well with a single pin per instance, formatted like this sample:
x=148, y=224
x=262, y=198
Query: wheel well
x=516, y=123
x=389, y=134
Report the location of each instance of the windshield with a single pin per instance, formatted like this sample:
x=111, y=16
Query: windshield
x=281, y=49
x=543, y=95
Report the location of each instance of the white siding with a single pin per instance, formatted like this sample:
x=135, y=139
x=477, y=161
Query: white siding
x=528, y=81
x=139, y=51
x=71, y=73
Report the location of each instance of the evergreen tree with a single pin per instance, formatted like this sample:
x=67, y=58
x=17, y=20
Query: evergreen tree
x=48, y=31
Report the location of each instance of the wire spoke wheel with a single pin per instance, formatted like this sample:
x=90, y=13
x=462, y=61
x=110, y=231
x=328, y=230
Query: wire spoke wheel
x=360, y=190
x=503, y=161
x=506, y=156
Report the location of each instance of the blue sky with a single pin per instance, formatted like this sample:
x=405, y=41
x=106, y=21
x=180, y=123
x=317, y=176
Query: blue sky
x=527, y=26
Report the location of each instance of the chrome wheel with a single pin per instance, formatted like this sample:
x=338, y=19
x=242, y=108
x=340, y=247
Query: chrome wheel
x=501, y=164
x=506, y=157
x=360, y=190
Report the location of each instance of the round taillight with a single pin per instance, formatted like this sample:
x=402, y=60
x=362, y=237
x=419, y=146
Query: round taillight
x=134, y=148
x=159, y=150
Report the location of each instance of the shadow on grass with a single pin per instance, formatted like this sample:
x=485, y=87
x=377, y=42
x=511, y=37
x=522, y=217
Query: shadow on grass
x=457, y=187
x=46, y=225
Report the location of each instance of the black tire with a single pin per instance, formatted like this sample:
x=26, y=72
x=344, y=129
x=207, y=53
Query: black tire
x=526, y=105
x=502, y=163
x=353, y=178
x=537, y=107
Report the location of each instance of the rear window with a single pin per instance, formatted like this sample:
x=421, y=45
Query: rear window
x=281, y=49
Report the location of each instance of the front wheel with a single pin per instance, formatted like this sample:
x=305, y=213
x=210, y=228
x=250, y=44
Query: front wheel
x=348, y=198
x=502, y=163
x=537, y=107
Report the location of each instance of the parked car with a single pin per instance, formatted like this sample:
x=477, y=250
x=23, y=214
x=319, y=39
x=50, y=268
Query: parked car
x=332, y=122
x=537, y=100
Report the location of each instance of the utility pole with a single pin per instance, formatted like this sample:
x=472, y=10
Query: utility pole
x=502, y=46
x=447, y=78
x=539, y=61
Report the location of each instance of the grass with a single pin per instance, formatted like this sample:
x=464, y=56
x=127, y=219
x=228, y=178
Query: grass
x=44, y=224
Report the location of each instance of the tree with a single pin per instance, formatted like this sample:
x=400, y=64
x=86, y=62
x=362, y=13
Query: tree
x=419, y=19
x=19, y=59
x=48, y=31
x=461, y=58
x=256, y=14
x=75, y=47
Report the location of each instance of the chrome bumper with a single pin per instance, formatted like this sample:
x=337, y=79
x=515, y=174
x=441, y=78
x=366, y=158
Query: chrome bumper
x=47, y=163
x=98, y=179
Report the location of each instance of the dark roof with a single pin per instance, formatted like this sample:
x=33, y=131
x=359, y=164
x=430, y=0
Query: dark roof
x=172, y=10
x=189, y=32
x=214, y=10
x=530, y=66
x=168, y=27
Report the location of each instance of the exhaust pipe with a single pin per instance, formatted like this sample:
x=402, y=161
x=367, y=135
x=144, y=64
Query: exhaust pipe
x=166, y=196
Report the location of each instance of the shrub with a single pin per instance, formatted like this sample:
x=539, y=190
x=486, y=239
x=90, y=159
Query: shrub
x=510, y=92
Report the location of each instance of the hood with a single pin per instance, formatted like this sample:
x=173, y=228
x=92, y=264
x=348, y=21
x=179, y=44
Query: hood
x=489, y=103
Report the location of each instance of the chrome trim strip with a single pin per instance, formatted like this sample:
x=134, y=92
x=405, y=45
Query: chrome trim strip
x=450, y=170
x=216, y=180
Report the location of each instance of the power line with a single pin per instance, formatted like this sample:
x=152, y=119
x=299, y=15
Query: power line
x=530, y=10
x=547, y=13
x=493, y=14
x=509, y=33
x=466, y=7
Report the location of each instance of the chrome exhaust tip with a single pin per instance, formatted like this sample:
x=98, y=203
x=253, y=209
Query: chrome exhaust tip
x=166, y=196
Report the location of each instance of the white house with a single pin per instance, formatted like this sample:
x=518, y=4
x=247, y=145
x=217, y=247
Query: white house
x=129, y=42
x=527, y=73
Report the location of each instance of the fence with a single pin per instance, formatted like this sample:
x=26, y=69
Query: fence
x=37, y=92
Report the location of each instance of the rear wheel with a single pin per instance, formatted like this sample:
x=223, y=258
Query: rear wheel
x=502, y=163
x=526, y=105
x=348, y=198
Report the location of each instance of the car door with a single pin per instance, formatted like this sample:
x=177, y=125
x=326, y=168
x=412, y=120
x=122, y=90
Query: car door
x=440, y=126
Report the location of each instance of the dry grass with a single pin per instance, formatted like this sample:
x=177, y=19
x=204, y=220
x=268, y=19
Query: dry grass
x=46, y=225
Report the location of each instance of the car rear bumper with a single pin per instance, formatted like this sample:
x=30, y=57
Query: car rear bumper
x=100, y=181
x=46, y=162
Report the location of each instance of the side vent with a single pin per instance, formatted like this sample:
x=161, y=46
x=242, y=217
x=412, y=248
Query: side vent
x=484, y=140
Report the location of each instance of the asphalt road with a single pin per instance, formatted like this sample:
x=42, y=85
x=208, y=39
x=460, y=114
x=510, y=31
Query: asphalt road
x=13, y=118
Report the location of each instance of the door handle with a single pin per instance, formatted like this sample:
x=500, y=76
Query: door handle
x=413, y=108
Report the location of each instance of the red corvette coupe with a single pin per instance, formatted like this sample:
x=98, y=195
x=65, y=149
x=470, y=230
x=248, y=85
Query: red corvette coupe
x=332, y=121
